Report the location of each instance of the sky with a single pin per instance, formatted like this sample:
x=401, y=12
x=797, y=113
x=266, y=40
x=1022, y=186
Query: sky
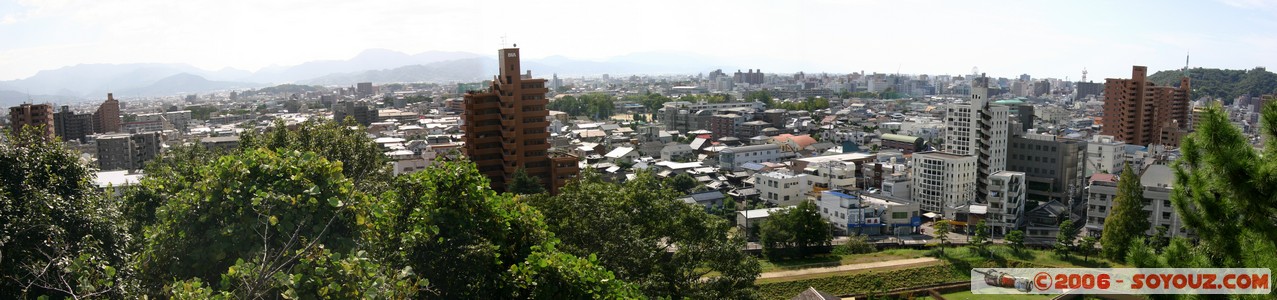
x=1002, y=38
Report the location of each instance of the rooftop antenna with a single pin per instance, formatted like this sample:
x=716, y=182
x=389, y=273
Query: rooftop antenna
x=1186, y=54
x=1083, y=74
x=503, y=41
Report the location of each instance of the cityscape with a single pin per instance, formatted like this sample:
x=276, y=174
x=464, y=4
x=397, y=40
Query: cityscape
x=659, y=174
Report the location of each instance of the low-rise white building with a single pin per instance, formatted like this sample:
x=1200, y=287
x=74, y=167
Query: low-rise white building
x=1157, y=182
x=782, y=188
x=865, y=214
x=732, y=158
x=942, y=180
x=677, y=152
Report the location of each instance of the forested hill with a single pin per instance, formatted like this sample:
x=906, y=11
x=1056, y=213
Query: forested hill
x=1225, y=84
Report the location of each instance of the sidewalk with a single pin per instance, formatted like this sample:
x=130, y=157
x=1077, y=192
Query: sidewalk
x=852, y=267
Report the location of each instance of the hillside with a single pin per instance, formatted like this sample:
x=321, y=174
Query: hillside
x=1225, y=84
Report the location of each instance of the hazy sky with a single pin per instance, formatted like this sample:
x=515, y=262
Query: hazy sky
x=1003, y=38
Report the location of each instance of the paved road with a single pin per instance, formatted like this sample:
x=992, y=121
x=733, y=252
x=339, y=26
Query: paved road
x=872, y=265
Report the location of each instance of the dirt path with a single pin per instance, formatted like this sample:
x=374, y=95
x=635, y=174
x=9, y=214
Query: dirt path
x=851, y=267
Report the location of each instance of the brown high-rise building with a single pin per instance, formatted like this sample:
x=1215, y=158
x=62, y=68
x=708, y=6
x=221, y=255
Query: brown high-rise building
x=107, y=118
x=506, y=129
x=32, y=115
x=1138, y=112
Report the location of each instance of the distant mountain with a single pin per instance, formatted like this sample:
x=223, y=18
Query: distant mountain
x=372, y=59
x=185, y=83
x=91, y=81
x=462, y=70
x=483, y=68
x=1219, y=83
x=13, y=98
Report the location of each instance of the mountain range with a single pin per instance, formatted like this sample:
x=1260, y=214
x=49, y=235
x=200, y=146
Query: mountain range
x=92, y=81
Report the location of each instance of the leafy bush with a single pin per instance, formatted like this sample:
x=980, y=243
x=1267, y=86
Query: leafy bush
x=856, y=244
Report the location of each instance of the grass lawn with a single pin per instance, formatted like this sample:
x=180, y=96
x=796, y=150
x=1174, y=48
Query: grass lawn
x=967, y=295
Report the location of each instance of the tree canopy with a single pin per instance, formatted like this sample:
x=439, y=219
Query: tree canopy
x=597, y=106
x=58, y=236
x=794, y=232
x=643, y=233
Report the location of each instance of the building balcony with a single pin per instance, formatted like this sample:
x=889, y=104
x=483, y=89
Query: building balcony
x=541, y=124
x=541, y=101
x=534, y=90
x=536, y=135
x=483, y=105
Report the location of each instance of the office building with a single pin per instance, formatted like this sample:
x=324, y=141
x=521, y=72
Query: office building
x=979, y=128
x=506, y=129
x=364, y=89
x=35, y=115
x=107, y=118
x=1055, y=166
x=360, y=111
x=70, y=126
x=942, y=180
x=1139, y=112
x=127, y=151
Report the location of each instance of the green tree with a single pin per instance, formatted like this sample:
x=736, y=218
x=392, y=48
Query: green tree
x=1066, y=238
x=58, y=236
x=943, y=227
x=856, y=244
x=1087, y=247
x=524, y=184
x=361, y=159
x=1127, y=219
x=641, y=231
x=794, y=232
x=471, y=242
x=980, y=237
x=1016, y=239
x=1224, y=191
x=318, y=274
x=682, y=183
x=763, y=96
x=264, y=207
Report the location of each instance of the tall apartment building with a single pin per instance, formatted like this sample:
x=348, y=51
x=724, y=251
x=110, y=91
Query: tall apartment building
x=942, y=180
x=69, y=125
x=107, y=118
x=979, y=128
x=506, y=129
x=127, y=151
x=1139, y=112
x=32, y=115
x=751, y=77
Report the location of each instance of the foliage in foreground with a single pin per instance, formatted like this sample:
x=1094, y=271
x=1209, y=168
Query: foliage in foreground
x=643, y=233
x=58, y=236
